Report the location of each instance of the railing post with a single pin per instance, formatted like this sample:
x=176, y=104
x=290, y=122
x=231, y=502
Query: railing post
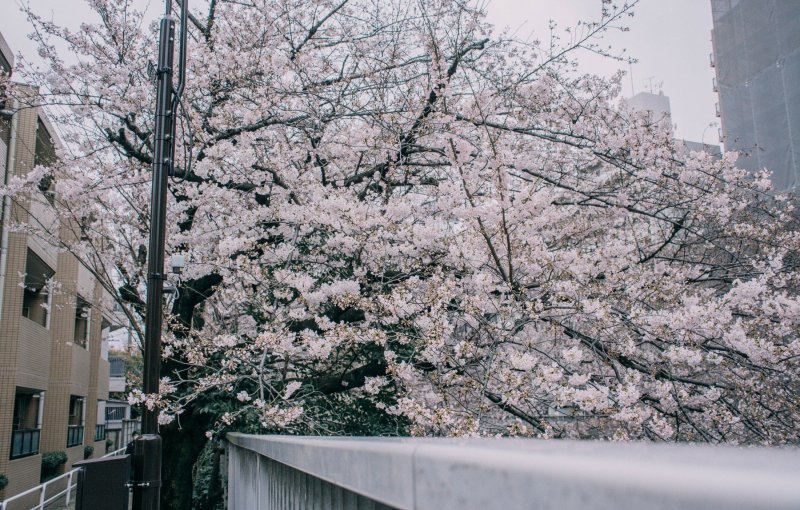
x=69, y=485
x=42, y=493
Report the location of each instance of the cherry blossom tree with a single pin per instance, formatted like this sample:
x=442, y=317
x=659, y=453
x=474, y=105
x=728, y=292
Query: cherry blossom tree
x=396, y=220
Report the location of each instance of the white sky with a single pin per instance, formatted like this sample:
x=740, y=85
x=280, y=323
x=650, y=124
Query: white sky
x=670, y=38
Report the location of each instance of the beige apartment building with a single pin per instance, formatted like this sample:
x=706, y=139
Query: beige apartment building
x=54, y=373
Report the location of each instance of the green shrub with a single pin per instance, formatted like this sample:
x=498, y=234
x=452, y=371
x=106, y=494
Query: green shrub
x=51, y=460
x=3, y=481
x=108, y=444
x=88, y=450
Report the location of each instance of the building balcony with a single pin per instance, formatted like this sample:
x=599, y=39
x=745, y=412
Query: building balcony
x=74, y=435
x=25, y=442
x=276, y=472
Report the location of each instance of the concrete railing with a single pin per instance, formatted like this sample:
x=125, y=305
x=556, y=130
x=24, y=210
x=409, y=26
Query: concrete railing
x=277, y=472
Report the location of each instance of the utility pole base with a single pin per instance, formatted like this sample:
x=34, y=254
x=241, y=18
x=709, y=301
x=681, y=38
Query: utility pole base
x=146, y=475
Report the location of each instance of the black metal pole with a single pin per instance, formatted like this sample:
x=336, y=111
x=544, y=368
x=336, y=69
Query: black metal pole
x=147, y=449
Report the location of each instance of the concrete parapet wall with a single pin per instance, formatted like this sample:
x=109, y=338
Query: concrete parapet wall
x=445, y=474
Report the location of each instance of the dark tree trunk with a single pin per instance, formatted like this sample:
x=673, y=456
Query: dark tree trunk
x=184, y=439
x=182, y=446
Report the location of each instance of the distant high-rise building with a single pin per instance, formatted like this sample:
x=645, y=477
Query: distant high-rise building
x=757, y=62
x=656, y=104
x=660, y=112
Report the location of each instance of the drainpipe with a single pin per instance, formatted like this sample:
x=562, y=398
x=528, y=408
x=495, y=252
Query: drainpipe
x=5, y=211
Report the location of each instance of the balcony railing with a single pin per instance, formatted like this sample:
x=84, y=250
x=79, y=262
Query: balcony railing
x=276, y=472
x=99, y=432
x=25, y=442
x=115, y=413
x=74, y=435
x=116, y=366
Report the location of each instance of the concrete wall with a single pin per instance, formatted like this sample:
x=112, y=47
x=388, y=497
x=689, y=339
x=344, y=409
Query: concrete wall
x=259, y=482
x=278, y=472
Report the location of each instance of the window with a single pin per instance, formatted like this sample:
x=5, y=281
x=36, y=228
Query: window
x=5, y=71
x=26, y=409
x=26, y=423
x=76, y=410
x=75, y=421
x=82, y=321
x=45, y=155
x=36, y=297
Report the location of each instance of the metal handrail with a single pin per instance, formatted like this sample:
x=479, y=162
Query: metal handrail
x=42, y=488
x=114, y=453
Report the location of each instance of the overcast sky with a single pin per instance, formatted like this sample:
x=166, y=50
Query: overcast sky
x=670, y=38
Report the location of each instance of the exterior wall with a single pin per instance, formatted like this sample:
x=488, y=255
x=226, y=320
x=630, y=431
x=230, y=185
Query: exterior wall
x=81, y=366
x=9, y=350
x=26, y=474
x=37, y=357
x=103, y=380
x=25, y=125
x=75, y=454
x=33, y=363
x=56, y=405
x=99, y=449
x=93, y=354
